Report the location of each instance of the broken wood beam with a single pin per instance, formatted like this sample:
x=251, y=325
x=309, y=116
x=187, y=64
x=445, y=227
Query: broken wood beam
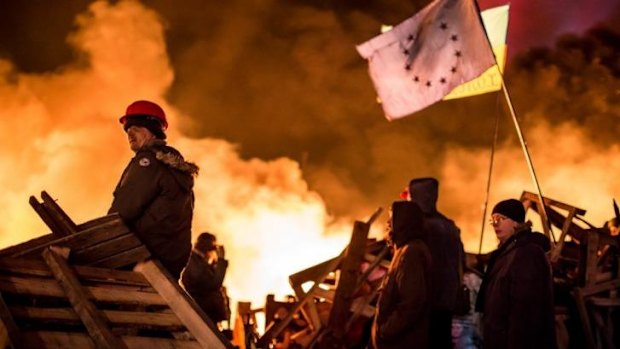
x=92, y=319
x=194, y=319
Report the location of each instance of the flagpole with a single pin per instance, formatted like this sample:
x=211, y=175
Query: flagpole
x=541, y=209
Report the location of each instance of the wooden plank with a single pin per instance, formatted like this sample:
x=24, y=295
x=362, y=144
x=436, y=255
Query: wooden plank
x=602, y=287
x=47, y=218
x=98, y=221
x=105, y=249
x=129, y=257
x=28, y=245
x=584, y=316
x=315, y=272
x=50, y=288
x=274, y=330
x=64, y=340
x=592, y=257
x=550, y=202
x=196, y=321
x=94, y=321
x=58, y=214
x=557, y=249
x=347, y=282
x=168, y=321
x=82, y=239
x=8, y=325
x=32, y=267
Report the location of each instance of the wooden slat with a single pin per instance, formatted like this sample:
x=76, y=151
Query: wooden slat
x=550, y=202
x=347, y=282
x=94, y=321
x=129, y=257
x=602, y=287
x=28, y=245
x=58, y=214
x=105, y=249
x=64, y=340
x=274, y=330
x=8, y=324
x=50, y=288
x=592, y=257
x=84, y=238
x=116, y=317
x=315, y=272
x=98, y=221
x=196, y=321
x=47, y=218
x=585, y=317
x=32, y=267
x=557, y=249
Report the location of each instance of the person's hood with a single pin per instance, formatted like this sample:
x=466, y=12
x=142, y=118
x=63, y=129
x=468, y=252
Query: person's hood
x=183, y=171
x=424, y=192
x=407, y=222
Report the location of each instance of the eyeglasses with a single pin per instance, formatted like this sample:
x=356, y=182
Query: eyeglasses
x=496, y=220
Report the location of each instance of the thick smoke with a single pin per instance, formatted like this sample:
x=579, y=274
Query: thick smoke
x=60, y=133
x=282, y=81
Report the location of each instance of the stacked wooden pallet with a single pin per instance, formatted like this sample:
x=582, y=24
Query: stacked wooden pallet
x=94, y=286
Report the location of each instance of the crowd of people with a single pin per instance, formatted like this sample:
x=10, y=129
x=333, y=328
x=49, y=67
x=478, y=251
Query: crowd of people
x=419, y=300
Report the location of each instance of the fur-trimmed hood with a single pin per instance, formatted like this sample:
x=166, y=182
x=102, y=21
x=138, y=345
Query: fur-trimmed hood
x=184, y=171
x=172, y=157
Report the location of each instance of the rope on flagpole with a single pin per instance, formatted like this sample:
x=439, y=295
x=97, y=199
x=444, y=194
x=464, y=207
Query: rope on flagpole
x=486, y=198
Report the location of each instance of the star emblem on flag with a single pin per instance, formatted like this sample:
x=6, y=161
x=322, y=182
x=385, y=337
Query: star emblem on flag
x=443, y=45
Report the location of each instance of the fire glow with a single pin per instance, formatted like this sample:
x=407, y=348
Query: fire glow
x=59, y=132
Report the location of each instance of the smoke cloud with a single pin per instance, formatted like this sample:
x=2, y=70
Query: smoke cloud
x=276, y=106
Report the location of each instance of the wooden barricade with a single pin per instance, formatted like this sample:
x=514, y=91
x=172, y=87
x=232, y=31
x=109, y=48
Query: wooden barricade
x=63, y=290
x=333, y=303
x=585, y=262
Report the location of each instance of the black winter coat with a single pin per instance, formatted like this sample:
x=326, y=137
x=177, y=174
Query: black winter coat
x=155, y=199
x=444, y=242
x=516, y=295
x=203, y=281
x=403, y=311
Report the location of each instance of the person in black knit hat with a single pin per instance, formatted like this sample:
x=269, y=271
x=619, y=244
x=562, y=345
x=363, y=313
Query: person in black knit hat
x=516, y=295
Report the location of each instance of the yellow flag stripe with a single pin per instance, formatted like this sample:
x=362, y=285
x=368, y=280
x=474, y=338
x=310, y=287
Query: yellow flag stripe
x=496, y=24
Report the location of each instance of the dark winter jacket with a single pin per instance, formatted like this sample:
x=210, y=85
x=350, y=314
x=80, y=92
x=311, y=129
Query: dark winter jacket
x=402, y=313
x=516, y=295
x=155, y=199
x=444, y=242
x=203, y=281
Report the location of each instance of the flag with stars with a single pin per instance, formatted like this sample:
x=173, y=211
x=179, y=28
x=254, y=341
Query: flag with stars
x=422, y=59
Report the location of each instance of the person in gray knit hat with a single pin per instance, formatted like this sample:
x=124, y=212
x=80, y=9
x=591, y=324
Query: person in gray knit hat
x=516, y=295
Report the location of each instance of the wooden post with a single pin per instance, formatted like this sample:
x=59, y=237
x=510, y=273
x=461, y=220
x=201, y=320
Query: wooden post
x=580, y=302
x=91, y=318
x=349, y=272
x=196, y=321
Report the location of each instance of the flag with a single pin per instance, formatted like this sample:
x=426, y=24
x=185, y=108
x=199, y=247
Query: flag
x=422, y=59
x=495, y=22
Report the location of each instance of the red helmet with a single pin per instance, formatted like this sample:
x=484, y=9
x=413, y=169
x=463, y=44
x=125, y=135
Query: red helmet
x=145, y=108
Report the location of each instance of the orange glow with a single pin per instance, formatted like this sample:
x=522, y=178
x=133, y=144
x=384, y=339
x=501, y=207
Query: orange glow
x=59, y=132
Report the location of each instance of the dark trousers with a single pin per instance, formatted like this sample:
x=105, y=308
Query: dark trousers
x=440, y=336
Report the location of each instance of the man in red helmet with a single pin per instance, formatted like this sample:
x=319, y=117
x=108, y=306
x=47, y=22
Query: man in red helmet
x=154, y=196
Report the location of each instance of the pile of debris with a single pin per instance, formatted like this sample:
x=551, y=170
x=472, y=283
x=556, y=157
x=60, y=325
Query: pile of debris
x=338, y=308
x=94, y=285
